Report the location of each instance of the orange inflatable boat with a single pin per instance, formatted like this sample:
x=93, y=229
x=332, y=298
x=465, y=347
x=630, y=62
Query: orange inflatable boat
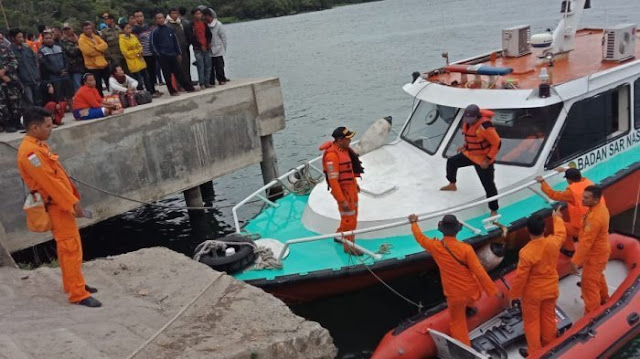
x=497, y=330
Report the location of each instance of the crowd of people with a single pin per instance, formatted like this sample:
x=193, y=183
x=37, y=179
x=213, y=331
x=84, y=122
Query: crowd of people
x=109, y=66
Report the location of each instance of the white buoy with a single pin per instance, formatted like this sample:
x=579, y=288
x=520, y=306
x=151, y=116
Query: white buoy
x=374, y=137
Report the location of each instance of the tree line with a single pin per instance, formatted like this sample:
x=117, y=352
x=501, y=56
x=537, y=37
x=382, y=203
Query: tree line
x=27, y=14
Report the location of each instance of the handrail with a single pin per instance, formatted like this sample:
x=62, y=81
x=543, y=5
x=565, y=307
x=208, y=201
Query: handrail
x=258, y=192
x=421, y=217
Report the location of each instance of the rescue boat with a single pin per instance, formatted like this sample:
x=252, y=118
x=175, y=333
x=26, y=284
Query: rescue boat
x=571, y=100
x=498, y=328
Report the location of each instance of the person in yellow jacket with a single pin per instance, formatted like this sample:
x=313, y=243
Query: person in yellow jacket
x=593, y=250
x=536, y=281
x=42, y=172
x=131, y=49
x=93, y=50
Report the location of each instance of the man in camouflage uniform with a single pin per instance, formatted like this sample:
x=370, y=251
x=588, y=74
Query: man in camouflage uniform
x=10, y=91
x=111, y=35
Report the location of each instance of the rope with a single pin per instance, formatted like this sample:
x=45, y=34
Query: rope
x=305, y=183
x=635, y=212
x=175, y=317
x=159, y=205
x=385, y=248
x=266, y=259
x=417, y=305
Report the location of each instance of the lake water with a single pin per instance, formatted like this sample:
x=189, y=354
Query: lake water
x=345, y=66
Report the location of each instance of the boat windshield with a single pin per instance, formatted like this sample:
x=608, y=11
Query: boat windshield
x=428, y=125
x=523, y=132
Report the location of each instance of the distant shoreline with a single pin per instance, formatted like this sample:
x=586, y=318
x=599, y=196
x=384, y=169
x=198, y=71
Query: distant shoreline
x=235, y=20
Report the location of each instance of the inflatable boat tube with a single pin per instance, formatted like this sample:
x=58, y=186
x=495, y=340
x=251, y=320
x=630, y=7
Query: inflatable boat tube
x=600, y=333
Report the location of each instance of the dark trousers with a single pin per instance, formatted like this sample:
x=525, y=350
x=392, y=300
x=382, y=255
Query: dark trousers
x=101, y=75
x=486, y=175
x=185, y=64
x=217, y=70
x=151, y=68
x=171, y=66
x=143, y=78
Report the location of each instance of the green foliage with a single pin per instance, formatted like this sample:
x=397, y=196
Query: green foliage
x=27, y=14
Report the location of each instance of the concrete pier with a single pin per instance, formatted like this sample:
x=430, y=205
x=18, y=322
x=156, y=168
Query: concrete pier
x=151, y=151
x=156, y=304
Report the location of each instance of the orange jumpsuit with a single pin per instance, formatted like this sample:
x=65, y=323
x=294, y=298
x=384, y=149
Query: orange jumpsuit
x=536, y=282
x=593, y=254
x=41, y=171
x=461, y=284
x=344, y=186
x=573, y=197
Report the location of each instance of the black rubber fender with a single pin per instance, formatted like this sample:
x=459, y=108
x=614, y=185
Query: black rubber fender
x=243, y=258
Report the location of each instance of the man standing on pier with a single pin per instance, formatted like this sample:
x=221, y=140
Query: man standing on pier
x=43, y=173
x=481, y=146
x=341, y=166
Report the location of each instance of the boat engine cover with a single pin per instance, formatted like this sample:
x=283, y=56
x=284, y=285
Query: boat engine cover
x=507, y=328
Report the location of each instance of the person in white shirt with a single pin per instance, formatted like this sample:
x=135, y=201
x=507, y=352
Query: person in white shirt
x=119, y=82
x=123, y=85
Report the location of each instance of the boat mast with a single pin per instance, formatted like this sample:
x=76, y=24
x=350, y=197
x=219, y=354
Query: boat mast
x=565, y=32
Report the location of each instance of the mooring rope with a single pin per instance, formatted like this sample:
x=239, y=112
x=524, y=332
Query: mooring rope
x=175, y=317
x=394, y=291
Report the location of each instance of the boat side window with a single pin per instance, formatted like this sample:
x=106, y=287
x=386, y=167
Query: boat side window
x=523, y=132
x=591, y=122
x=636, y=102
x=428, y=125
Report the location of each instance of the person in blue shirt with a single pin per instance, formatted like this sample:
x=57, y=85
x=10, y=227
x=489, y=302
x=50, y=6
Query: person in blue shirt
x=164, y=44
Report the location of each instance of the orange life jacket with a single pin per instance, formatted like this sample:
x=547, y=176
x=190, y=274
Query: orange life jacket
x=474, y=144
x=345, y=166
x=577, y=211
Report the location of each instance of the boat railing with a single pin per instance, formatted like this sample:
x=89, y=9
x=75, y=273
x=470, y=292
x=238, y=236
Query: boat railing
x=260, y=192
x=421, y=217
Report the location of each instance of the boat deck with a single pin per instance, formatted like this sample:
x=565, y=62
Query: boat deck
x=583, y=61
x=284, y=223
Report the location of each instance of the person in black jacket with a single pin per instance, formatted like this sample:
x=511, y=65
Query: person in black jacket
x=164, y=44
x=53, y=66
x=199, y=36
x=27, y=68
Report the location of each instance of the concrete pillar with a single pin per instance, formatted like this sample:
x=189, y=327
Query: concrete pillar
x=193, y=197
x=197, y=218
x=269, y=166
x=207, y=191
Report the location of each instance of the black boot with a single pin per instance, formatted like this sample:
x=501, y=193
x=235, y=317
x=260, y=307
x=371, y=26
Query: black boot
x=90, y=289
x=90, y=302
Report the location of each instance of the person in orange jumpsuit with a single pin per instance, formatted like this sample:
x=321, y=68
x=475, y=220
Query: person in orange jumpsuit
x=41, y=172
x=572, y=195
x=461, y=273
x=593, y=250
x=481, y=146
x=536, y=281
x=341, y=167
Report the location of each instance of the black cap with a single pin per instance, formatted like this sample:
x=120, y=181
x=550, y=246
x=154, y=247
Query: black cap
x=342, y=132
x=471, y=114
x=573, y=174
x=449, y=224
